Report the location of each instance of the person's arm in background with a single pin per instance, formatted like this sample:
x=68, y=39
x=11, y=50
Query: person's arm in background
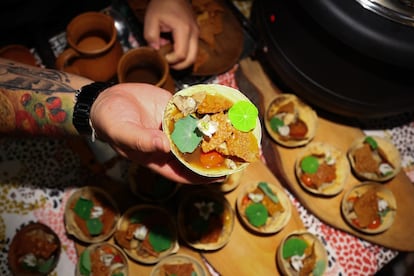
x=36, y=101
x=175, y=17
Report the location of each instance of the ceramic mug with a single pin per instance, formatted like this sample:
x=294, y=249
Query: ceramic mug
x=94, y=50
x=19, y=53
x=145, y=65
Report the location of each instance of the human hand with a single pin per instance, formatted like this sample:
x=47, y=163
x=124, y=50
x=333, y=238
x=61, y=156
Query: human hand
x=175, y=17
x=128, y=117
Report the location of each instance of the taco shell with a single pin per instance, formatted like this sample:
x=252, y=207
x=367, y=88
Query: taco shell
x=368, y=167
x=347, y=206
x=280, y=216
x=104, y=200
x=207, y=240
x=135, y=249
x=324, y=151
x=319, y=254
x=173, y=113
x=297, y=116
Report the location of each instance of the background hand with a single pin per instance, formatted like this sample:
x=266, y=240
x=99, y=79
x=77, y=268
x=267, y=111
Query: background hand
x=177, y=18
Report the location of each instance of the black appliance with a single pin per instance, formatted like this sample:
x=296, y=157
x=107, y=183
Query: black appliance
x=351, y=58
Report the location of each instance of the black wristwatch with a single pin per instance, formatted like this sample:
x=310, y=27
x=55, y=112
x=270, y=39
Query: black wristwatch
x=85, y=97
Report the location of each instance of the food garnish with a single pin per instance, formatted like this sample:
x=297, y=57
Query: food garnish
x=261, y=204
x=369, y=208
x=102, y=259
x=34, y=250
x=146, y=234
x=301, y=256
x=370, y=158
x=318, y=170
x=186, y=135
x=91, y=214
x=243, y=116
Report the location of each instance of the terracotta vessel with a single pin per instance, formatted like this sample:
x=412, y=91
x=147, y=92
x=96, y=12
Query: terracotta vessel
x=146, y=65
x=94, y=50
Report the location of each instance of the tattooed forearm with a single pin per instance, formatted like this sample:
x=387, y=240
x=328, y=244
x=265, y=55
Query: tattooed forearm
x=31, y=78
x=36, y=101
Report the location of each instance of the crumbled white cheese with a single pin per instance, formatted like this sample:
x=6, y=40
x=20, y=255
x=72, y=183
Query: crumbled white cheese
x=30, y=260
x=255, y=197
x=382, y=205
x=96, y=212
x=297, y=262
x=385, y=168
x=283, y=130
x=140, y=233
x=207, y=126
x=106, y=259
x=329, y=159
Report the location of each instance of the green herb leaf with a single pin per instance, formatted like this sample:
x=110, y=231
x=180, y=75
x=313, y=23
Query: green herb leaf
x=294, y=246
x=47, y=265
x=95, y=226
x=85, y=263
x=256, y=214
x=275, y=123
x=371, y=141
x=265, y=189
x=160, y=238
x=186, y=135
x=309, y=164
x=243, y=116
x=83, y=208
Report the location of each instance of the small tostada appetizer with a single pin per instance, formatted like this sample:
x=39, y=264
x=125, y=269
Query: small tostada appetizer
x=102, y=259
x=322, y=169
x=374, y=158
x=290, y=121
x=34, y=250
x=302, y=253
x=179, y=265
x=369, y=207
x=263, y=207
x=91, y=215
x=147, y=233
x=213, y=129
x=150, y=186
x=205, y=219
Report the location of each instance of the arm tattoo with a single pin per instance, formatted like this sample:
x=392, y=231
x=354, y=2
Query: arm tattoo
x=15, y=77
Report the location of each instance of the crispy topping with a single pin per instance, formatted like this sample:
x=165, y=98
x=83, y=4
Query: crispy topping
x=366, y=208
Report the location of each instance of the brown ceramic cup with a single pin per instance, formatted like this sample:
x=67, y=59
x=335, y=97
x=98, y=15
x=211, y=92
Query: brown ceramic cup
x=93, y=49
x=145, y=65
x=19, y=53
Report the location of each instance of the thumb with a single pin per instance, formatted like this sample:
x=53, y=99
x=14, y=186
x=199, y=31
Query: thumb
x=151, y=140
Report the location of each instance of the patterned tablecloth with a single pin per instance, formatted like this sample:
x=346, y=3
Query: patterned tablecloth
x=38, y=175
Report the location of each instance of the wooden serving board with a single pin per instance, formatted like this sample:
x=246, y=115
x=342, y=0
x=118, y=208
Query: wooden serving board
x=398, y=237
x=243, y=245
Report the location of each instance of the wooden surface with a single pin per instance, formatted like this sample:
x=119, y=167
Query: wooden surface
x=243, y=245
x=398, y=237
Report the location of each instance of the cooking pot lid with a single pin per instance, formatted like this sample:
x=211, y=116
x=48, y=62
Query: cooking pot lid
x=401, y=11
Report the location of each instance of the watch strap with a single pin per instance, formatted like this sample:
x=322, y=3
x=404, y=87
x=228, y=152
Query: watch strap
x=85, y=97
